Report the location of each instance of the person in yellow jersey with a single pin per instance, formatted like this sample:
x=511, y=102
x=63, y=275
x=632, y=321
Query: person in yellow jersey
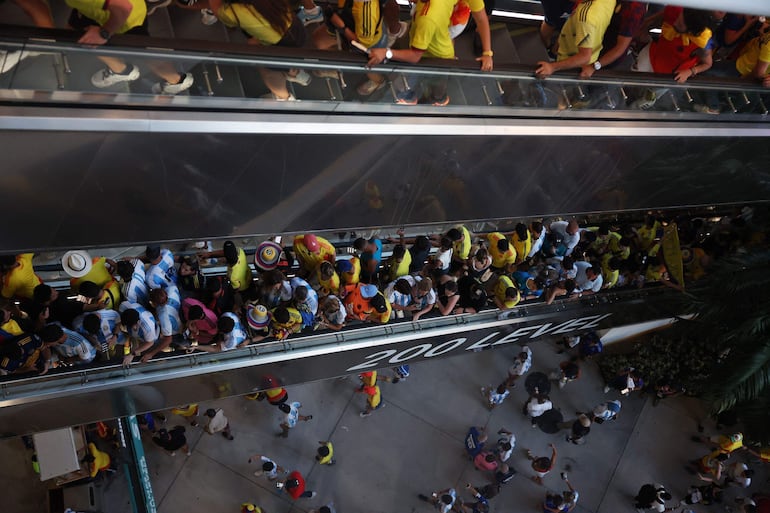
x=99, y=20
x=81, y=267
x=429, y=36
x=502, y=253
x=238, y=270
x=373, y=400
x=580, y=40
x=350, y=270
x=521, y=240
x=267, y=23
x=506, y=294
x=325, y=454
x=398, y=264
x=328, y=279
x=753, y=64
x=461, y=248
x=18, y=276
x=354, y=20
x=248, y=507
x=311, y=250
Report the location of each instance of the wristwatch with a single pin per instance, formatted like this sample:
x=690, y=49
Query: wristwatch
x=388, y=54
x=597, y=65
x=104, y=34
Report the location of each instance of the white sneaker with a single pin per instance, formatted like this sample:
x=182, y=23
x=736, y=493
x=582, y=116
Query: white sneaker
x=402, y=29
x=9, y=60
x=208, y=17
x=106, y=77
x=307, y=17
x=157, y=4
x=166, y=88
x=646, y=102
x=302, y=77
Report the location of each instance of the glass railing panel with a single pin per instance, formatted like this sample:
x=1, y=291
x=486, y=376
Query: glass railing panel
x=330, y=81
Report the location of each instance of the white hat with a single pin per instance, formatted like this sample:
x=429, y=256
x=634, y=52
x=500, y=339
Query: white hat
x=76, y=263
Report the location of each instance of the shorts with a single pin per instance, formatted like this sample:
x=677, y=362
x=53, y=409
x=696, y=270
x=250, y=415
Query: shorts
x=81, y=23
x=556, y=12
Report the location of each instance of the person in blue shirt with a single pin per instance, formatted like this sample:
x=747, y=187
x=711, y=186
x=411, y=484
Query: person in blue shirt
x=371, y=257
x=474, y=441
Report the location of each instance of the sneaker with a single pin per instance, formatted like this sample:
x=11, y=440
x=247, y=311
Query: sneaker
x=326, y=73
x=704, y=109
x=302, y=77
x=441, y=102
x=166, y=88
x=646, y=102
x=364, y=414
x=307, y=17
x=402, y=28
x=208, y=17
x=157, y=4
x=173, y=454
x=312, y=494
x=407, y=98
x=607, y=389
x=189, y=453
x=228, y=436
x=291, y=98
x=106, y=77
x=366, y=89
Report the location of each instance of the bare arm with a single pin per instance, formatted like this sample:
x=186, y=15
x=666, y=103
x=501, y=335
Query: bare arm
x=704, y=64
x=119, y=11
x=412, y=55
x=613, y=54
x=578, y=60
x=482, y=27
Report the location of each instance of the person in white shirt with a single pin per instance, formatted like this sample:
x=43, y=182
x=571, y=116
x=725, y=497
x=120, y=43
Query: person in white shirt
x=588, y=279
x=739, y=474
x=218, y=423
x=230, y=335
x=269, y=468
x=494, y=396
x=161, y=272
x=505, y=445
x=538, y=236
x=569, y=232
x=520, y=366
x=536, y=406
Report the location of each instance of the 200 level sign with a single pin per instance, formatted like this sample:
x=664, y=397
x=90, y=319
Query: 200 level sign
x=387, y=357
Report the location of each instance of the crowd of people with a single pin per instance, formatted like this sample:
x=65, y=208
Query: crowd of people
x=135, y=309
x=582, y=36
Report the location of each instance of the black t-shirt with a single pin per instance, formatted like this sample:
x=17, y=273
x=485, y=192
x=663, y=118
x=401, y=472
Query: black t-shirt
x=63, y=310
x=504, y=477
x=579, y=430
x=419, y=257
x=466, y=286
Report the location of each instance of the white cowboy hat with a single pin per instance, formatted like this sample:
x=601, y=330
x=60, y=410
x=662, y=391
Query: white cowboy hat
x=76, y=263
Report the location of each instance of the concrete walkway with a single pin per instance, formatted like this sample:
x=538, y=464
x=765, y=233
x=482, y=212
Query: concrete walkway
x=415, y=445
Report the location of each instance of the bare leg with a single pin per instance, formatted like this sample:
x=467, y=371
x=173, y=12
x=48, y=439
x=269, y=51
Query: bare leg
x=38, y=11
x=276, y=82
x=390, y=13
x=166, y=71
x=115, y=64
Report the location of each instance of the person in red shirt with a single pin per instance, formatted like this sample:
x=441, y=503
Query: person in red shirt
x=683, y=50
x=294, y=485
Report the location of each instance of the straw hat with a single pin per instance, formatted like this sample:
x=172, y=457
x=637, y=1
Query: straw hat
x=76, y=263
